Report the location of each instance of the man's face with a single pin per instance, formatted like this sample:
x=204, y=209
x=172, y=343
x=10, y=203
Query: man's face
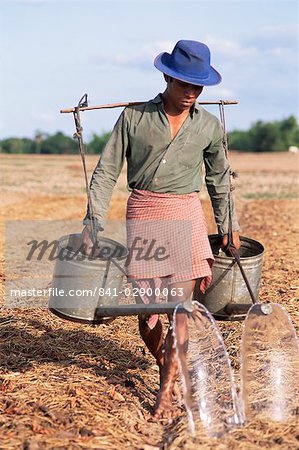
x=182, y=94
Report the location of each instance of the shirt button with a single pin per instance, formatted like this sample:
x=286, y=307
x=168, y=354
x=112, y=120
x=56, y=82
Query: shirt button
x=164, y=161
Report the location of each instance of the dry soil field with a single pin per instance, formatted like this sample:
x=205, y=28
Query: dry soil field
x=73, y=386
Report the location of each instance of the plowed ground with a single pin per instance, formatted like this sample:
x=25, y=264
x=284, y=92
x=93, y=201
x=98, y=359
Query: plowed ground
x=74, y=386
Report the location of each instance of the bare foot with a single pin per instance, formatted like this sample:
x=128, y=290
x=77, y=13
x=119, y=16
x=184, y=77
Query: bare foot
x=176, y=391
x=168, y=393
x=164, y=409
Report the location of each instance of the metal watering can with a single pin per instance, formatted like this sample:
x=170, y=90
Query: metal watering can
x=91, y=289
x=228, y=298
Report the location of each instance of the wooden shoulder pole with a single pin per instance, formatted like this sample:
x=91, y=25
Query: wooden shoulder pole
x=124, y=104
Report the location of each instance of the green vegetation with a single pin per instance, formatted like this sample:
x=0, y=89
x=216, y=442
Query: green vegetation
x=261, y=137
x=58, y=143
x=266, y=136
x=55, y=144
x=97, y=143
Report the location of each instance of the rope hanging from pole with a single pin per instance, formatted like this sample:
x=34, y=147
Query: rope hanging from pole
x=78, y=135
x=230, y=245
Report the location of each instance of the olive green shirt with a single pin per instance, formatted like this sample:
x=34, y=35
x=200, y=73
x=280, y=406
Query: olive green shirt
x=158, y=163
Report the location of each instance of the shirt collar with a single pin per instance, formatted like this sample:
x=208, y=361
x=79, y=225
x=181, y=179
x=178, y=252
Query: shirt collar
x=195, y=107
x=157, y=99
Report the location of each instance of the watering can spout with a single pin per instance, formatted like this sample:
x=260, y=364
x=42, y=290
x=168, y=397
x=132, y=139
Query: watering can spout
x=237, y=308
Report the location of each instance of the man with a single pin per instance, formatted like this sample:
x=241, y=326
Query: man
x=165, y=142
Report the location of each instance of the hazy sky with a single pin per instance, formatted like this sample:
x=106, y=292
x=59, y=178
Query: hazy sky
x=52, y=52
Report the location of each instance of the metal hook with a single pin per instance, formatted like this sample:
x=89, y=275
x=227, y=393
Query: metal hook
x=83, y=102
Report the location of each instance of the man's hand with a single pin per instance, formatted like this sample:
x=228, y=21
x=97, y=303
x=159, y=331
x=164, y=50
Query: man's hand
x=236, y=240
x=86, y=239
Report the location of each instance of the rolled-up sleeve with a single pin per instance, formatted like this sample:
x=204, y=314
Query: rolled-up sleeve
x=107, y=172
x=218, y=184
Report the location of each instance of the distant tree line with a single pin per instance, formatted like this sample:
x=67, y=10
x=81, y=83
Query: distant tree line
x=55, y=144
x=266, y=136
x=261, y=137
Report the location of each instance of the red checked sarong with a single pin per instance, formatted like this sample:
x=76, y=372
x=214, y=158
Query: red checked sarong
x=175, y=223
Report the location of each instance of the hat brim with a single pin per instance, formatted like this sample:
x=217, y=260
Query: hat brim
x=160, y=63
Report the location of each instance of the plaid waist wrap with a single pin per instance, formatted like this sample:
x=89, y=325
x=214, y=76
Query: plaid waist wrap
x=167, y=237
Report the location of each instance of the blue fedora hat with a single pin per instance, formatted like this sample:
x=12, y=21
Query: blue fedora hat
x=189, y=62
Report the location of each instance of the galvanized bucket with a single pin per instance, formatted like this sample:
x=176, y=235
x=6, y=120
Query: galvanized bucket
x=228, y=298
x=82, y=284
